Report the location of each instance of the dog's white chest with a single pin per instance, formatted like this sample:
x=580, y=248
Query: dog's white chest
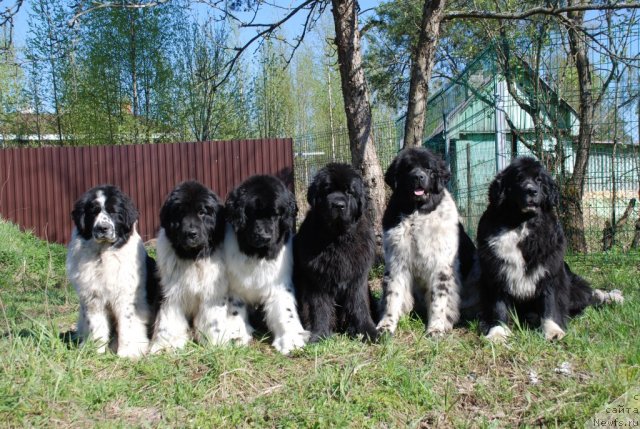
x=191, y=279
x=519, y=283
x=254, y=278
x=424, y=242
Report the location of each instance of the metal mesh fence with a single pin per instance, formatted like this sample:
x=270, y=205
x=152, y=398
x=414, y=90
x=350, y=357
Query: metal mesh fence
x=314, y=151
x=480, y=120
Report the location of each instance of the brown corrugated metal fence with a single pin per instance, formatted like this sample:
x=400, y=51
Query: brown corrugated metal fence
x=38, y=186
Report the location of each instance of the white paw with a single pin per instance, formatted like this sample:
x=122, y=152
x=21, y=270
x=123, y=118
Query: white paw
x=157, y=347
x=133, y=351
x=498, y=334
x=616, y=297
x=289, y=342
x=161, y=344
x=551, y=330
x=438, y=328
x=386, y=326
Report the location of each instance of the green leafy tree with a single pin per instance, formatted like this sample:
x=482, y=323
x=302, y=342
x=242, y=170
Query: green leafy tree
x=273, y=93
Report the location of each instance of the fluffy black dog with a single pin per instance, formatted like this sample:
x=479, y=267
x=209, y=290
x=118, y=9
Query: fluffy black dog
x=521, y=247
x=333, y=253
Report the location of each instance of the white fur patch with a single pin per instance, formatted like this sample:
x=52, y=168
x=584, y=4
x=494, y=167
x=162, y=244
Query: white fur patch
x=192, y=290
x=111, y=282
x=498, y=334
x=551, y=330
x=519, y=283
x=268, y=283
x=422, y=263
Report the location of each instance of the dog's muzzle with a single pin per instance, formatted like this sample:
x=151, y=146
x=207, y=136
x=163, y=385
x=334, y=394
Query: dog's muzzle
x=104, y=232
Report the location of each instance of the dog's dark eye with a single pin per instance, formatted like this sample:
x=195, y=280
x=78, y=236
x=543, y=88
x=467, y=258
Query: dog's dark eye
x=204, y=211
x=538, y=179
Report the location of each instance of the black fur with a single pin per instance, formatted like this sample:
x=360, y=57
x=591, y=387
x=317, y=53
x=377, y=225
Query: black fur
x=413, y=170
x=262, y=212
x=525, y=194
x=333, y=253
x=118, y=206
x=193, y=219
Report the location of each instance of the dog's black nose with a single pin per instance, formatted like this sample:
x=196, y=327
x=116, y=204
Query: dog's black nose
x=340, y=205
x=531, y=191
x=419, y=176
x=100, y=229
x=192, y=233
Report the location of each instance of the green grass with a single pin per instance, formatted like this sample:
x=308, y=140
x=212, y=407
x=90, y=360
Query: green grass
x=408, y=380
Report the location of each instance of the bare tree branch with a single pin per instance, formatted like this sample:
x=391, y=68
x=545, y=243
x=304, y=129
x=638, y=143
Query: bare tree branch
x=6, y=20
x=108, y=5
x=541, y=10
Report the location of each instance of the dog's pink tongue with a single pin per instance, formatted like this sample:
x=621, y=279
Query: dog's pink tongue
x=419, y=191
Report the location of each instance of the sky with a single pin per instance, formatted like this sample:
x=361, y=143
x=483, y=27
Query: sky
x=266, y=14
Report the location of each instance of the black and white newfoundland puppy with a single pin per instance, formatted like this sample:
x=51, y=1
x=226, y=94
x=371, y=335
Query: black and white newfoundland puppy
x=110, y=270
x=192, y=272
x=333, y=253
x=429, y=258
x=521, y=247
x=261, y=214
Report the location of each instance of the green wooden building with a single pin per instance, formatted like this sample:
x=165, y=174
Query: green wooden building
x=474, y=121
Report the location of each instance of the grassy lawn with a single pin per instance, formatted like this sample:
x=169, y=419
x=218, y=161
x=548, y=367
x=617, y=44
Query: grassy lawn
x=408, y=380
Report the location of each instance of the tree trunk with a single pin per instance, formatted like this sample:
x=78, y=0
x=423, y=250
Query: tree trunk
x=573, y=188
x=421, y=67
x=357, y=107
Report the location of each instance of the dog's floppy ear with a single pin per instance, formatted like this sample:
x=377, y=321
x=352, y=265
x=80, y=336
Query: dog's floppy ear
x=443, y=175
x=496, y=190
x=551, y=190
x=390, y=177
x=166, y=209
x=128, y=212
x=234, y=209
x=78, y=214
x=312, y=192
x=287, y=220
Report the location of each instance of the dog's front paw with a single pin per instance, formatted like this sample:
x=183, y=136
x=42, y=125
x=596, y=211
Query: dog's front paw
x=552, y=331
x=157, y=347
x=386, y=326
x=289, y=342
x=498, y=334
x=438, y=328
x=133, y=350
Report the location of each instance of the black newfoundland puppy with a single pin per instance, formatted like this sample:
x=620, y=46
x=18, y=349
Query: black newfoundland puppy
x=192, y=271
x=110, y=270
x=430, y=262
x=261, y=215
x=333, y=253
x=521, y=247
